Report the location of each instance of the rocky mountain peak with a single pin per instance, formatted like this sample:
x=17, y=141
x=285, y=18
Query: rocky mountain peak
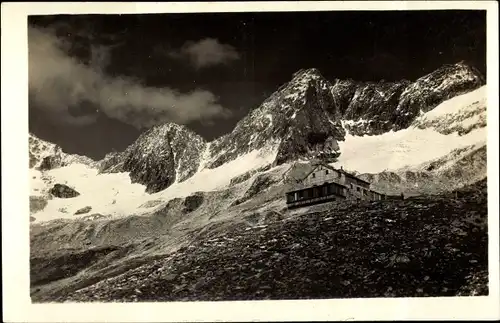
x=287, y=120
x=160, y=156
x=465, y=68
x=307, y=74
x=158, y=139
x=44, y=155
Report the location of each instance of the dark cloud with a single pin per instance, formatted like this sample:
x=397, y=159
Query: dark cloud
x=206, y=52
x=73, y=91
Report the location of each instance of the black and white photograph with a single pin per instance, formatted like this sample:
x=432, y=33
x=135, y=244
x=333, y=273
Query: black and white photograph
x=258, y=156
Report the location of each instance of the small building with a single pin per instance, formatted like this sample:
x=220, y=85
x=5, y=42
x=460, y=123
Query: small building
x=326, y=192
x=325, y=183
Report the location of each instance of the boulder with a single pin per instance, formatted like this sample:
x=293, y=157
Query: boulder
x=50, y=162
x=63, y=191
x=193, y=202
x=83, y=210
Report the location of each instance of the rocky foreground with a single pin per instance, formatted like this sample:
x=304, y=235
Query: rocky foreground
x=425, y=246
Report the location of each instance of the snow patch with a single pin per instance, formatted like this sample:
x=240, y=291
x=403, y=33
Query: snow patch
x=381, y=93
x=354, y=122
x=220, y=177
x=270, y=118
x=292, y=96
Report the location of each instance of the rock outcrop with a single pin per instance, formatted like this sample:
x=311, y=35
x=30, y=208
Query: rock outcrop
x=83, y=210
x=63, y=191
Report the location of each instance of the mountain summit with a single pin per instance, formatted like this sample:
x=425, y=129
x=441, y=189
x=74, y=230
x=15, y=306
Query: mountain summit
x=159, y=157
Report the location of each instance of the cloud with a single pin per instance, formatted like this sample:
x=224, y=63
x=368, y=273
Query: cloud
x=206, y=52
x=73, y=92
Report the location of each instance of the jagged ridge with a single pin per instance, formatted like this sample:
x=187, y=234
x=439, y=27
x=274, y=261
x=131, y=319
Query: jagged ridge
x=378, y=107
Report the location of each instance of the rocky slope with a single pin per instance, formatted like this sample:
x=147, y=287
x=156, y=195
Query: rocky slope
x=427, y=246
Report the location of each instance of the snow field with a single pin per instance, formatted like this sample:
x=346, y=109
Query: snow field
x=413, y=146
x=114, y=194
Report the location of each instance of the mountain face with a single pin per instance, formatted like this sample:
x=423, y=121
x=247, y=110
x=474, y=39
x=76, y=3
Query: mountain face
x=294, y=119
x=375, y=108
x=159, y=157
x=44, y=155
x=304, y=118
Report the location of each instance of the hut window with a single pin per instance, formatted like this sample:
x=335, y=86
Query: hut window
x=313, y=175
x=326, y=172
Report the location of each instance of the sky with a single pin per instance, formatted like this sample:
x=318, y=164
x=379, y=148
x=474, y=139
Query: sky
x=97, y=81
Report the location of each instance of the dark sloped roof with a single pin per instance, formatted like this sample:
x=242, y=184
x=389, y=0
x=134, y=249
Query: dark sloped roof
x=336, y=170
